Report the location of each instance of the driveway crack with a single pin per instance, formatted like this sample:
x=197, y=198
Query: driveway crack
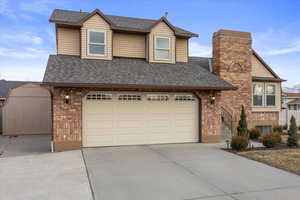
x=88, y=175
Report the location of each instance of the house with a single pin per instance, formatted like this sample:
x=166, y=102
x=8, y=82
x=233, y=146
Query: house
x=291, y=101
x=25, y=108
x=124, y=81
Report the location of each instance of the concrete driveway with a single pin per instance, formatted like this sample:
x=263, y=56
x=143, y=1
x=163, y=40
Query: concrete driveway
x=185, y=172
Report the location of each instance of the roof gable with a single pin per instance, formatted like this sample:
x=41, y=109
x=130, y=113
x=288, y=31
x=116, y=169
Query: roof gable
x=95, y=12
x=118, y=23
x=266, y=71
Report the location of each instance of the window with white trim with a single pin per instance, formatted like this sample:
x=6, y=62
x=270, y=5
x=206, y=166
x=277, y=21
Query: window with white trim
x=184, y=98
x=270, y=95
x=98, y=96
x=130, y=97
x=162, y=48
x=96, y=43
x=258, y=92
x=155, y=97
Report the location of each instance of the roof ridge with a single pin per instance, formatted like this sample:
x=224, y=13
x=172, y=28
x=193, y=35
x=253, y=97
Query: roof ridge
x=154, y=20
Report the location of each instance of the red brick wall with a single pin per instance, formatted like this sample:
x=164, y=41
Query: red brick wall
x=67, y=118
x=232, y=62
x=67, y=124
x=264, y=119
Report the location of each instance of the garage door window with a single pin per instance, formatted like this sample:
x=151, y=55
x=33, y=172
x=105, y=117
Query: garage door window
x=184, y=98
x=99, y=96
x=153, y=97
x=130, y=97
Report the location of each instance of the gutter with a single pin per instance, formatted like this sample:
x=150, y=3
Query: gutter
x=138, y=87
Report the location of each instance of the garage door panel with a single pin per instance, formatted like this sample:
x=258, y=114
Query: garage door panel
x=95, y=124
x=130, y=122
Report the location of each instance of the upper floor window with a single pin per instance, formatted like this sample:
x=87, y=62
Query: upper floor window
x=258, y=91
x=270, y=95
x=96, y=43
x=162, y=48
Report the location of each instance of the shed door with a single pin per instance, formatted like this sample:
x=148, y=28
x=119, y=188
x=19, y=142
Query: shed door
x=112, y=119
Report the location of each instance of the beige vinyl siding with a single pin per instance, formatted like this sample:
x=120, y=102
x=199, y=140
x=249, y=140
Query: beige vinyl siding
x=265, y=108
x=68, y=41
x=181, y=50
x=96, y=23
x=258, y=69
x=129, y=45
x=161, y=29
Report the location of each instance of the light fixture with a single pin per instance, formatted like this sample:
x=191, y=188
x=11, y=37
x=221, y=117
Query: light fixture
x=67, y=98
x=212, y=99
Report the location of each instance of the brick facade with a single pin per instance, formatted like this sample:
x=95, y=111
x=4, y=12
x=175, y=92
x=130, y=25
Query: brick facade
x=232, y=62
x=264, y=119
x=67, y=118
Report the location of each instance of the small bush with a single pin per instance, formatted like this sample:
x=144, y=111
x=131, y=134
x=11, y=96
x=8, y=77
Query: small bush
x=278, y=129
x=270, y=140
x=293, y=138
x=285, y=127
x=254, y=133
x=239, y=143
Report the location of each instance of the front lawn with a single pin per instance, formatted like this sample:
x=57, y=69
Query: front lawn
x=286, y=159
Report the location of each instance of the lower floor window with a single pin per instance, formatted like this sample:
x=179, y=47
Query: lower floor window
x=264, y=129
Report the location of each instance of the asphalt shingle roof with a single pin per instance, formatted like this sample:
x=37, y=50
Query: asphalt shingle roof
x=129, y=71
x=67, y=16
x=5, y=86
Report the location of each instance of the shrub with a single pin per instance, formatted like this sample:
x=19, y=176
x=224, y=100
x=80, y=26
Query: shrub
x=293, y=138
x=270, y=140
x=239, y=143
x=254, y=133
x=285, y=127
x=242, y=127
x=277, y=129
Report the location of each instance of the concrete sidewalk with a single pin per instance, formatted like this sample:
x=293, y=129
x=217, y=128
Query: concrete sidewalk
x=49, y=176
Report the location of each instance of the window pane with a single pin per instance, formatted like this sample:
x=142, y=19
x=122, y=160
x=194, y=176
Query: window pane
x=270, y=100
x=258, y=89
x=264, y=129
x=162, y=54
x=257, y=100
x=271, y=89
x=96, y=37
x=162, y=43
x=96, y=49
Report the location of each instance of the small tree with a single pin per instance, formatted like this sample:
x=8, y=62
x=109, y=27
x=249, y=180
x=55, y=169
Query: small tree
x=242, y=127
x=293, y=135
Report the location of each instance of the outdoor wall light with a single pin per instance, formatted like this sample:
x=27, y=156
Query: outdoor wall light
x=67, y=98
x=212, y=99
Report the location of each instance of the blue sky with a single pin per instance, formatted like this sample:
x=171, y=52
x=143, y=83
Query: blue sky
x=26, y=36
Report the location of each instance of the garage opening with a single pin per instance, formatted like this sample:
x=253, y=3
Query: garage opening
x=132, y=118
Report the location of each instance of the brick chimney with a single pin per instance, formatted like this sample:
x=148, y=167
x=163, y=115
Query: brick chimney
x=232, y=53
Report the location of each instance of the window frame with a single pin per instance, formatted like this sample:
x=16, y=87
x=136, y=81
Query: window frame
x=266, y=94
x=92, y=43
x=263, y=95
x=155, y=48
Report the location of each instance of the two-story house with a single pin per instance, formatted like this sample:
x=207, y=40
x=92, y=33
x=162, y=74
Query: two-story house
x=123, y=81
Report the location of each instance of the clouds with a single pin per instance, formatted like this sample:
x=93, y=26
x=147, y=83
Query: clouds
x=20, y=37
x=291, y=48
x=42, y=7
x=23, y=53
x=197, y=49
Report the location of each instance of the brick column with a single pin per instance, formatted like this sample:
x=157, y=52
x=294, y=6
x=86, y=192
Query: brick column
x=232, y=62
x=67, y=123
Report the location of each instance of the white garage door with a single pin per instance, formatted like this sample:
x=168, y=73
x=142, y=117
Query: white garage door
x=128, y=118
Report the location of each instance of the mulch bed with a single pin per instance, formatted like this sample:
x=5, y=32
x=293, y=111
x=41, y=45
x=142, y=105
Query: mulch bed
x=279, y=147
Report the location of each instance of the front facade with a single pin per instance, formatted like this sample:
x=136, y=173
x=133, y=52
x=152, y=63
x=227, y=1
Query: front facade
x=124, y=81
